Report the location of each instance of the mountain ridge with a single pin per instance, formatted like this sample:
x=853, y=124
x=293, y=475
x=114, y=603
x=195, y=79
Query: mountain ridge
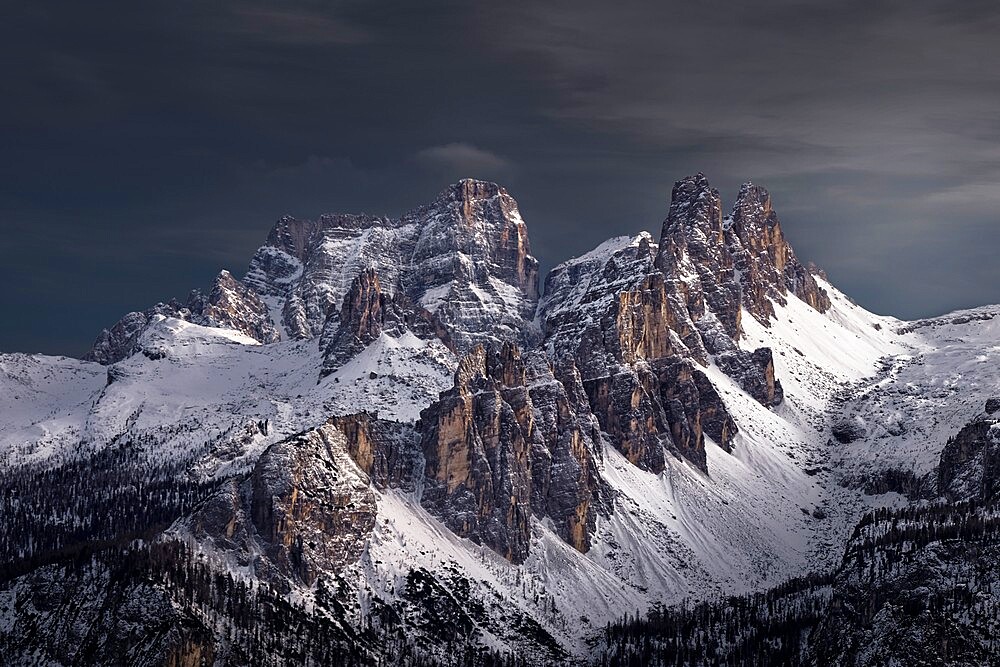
x=659, y=424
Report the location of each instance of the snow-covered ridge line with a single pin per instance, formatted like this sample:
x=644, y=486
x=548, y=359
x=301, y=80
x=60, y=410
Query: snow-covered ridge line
x=668, y=425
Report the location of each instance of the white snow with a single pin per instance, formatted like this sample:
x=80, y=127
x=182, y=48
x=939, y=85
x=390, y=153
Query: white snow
x=751, y=522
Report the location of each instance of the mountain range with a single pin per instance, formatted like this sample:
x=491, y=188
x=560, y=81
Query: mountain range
x=389, y=442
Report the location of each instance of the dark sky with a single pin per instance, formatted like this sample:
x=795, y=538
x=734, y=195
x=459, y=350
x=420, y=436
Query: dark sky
x=146, y=145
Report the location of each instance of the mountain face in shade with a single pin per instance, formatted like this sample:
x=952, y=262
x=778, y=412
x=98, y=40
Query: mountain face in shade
x=383, y=444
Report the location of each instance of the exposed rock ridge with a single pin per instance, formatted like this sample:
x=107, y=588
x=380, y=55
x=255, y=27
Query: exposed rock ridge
x=766, y=262
x=627, y=312
x=233, y=305
x=627, y=327
x=368, y=312
x=387, y=451
x=230, y=305
x=465, y=259
x=694, y=258
x=969, y=467
x=305, y=509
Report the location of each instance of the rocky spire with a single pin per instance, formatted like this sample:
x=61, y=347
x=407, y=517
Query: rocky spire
x=693, y=253
x=366, y=312
x=766, y=262
x=234, y=305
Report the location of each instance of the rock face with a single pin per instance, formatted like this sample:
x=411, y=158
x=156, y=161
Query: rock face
x=631, y=311
x=767, y=265
x=471, y=265
x=305, y=509
x=970, y=462
x=233, y=305
x=311, y=504
x=505, y=441
x=476, y=443
x=566, y=487
x=612, y=314
x=626, y=331
x=754, y=373
x=366, y=313
x=464, y=259
x=387, y=451
x=122, y=340
x=694, y=257
x=230, y=305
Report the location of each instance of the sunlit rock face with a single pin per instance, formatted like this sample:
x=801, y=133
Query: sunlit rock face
x=507, y=440
x=306, y=508
x=629, y=311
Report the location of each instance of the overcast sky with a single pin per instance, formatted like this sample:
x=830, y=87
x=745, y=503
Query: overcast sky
x=146, y=145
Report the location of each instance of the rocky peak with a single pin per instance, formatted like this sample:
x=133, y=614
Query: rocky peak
x=766, y=262
x=230, y=305
x=471, y=264
x=306, y=509
x=464, y=258
x=365, y=314
x=633, y=325
x=234, y=305
x=695, y=205
x=364, y=308
x=693, y=255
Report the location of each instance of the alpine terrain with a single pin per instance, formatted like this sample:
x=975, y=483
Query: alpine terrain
x=390, y=442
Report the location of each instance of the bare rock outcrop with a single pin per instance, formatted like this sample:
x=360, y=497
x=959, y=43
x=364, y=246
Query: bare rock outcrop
x=476, y=444
x=464, y=258
x=766, y=262
x=230, y=304
x=305, y=509
x=387, y=451
x=366, y=312
x=233, y=305
x=628, y=312
x=694, y=257
x=507, y=441
x=969, y=468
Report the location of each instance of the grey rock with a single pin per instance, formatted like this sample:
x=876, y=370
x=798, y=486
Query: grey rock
x=464, y=258
x=231, y=305
x=969, y=468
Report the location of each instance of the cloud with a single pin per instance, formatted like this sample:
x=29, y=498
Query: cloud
x=463, y=158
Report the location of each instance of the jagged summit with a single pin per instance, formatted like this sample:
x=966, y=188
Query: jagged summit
x=638, y=320
x=462, y=263
x=465, y=261
x=421, y=457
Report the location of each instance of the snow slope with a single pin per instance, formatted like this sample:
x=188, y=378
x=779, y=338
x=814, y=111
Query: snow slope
x=198, y=391
x=779, y=505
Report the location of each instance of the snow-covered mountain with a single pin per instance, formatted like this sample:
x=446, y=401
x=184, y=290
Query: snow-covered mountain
x=382, y=445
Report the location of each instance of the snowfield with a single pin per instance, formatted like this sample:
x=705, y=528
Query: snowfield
x=867, y=398
x=774, y=508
